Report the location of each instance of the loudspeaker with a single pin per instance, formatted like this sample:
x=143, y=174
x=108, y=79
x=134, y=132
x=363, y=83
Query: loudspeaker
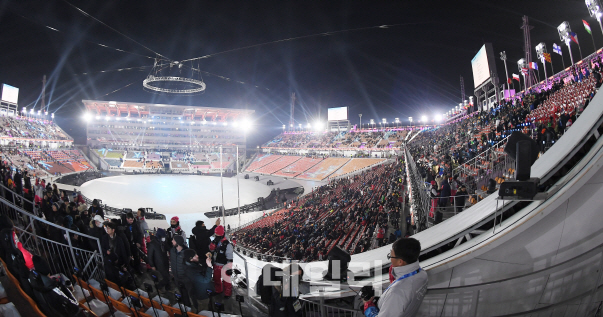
x=525, y=151
x=344, y=258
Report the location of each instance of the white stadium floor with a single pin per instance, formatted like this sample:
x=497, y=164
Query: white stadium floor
x=185, y=196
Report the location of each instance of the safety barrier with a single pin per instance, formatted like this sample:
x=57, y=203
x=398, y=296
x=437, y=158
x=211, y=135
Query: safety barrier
x=62, y=256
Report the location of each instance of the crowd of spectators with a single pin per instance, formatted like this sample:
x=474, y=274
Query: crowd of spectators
x=365, y=139
x=349, y=212
x=22, y=127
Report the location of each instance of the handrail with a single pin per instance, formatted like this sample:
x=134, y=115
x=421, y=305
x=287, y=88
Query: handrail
x=480, y=155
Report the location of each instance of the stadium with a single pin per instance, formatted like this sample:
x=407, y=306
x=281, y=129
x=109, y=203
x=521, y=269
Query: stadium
x=204, y=192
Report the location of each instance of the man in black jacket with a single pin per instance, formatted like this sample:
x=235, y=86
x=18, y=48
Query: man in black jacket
x=114, y=252
x=134, y=236
x=202, y=236
x=158, y=260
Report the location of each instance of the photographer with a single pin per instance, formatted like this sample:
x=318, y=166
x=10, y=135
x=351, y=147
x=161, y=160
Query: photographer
x=405, y=294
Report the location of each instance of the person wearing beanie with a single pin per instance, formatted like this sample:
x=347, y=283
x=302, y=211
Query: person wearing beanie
x=198, y=278
x=158, y=259
x=222, y=261
x=177, y=265
x=174, y=230
x=95, y=209
x=202, y=236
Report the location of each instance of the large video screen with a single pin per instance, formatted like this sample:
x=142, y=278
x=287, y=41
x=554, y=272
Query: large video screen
x=481, y=69
x=335, y=114
x=10, y=93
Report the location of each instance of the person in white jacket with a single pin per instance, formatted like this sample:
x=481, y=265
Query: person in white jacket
x=404, y=295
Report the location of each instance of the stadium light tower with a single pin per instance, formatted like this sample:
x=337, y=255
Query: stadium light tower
x=564, y=34
x=372, y=122
x=595, y=10
x=540, y=51
x=284, y=126
x=503, y=57
x=397, y=121
x=360, y=116
x=410, y=119
x=424, y=119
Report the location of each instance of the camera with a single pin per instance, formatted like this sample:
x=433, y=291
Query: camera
x=178, y=298
x=367, y=292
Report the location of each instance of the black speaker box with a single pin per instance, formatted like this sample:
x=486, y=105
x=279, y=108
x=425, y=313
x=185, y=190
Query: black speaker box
x=344, y=258
x=525, y=151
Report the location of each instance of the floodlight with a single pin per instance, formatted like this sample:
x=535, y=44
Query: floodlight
x=32, y=111
x=39, y=112
x=214, y=122
x=204, y=122
x=87, y=116
x=384, y=120
x=52, y=116
x=235, y=124
x=300, y=125
x=308, y=126
x=521, y=64
x=317, y=125
x=438, y=117
x=45, y=113
x=107, y=118
x=424, y=118
x=225, y=123
x=284, y=126
x=372, y=121
x=564, y=31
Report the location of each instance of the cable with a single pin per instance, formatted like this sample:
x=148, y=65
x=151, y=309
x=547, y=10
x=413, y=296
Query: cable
x=95, y=43
x=385, y=26
x=116, y=90
x=114, y=30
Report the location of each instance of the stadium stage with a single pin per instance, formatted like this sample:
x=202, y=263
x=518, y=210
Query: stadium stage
x=185, y=196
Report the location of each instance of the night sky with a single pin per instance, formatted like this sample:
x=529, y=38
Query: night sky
x=338, y=55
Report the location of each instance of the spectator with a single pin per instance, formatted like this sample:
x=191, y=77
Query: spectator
x=198, y=278
x=222, y=261
x=114, y=253
x=95, y=209
x=202, y=236
x=404, y=295
x=158, y=259
x=177, y=266
x=135, y=237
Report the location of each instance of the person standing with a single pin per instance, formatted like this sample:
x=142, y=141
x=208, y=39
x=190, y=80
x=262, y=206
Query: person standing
x=95, y=209
x=158, y=259
x=134, y=236
x=202, y=235
x=177, y=266
x=198, y=278
x=144, y=228
x=114, y=252
x=222, y=261
x=404, y=295
x=173, y=230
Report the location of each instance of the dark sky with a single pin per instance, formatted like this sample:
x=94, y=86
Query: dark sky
x=411, y=68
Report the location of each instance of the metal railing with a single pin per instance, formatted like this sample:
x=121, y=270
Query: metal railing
x=472, y=164
x=421, y=199
x=320, y=309
x=62, y=256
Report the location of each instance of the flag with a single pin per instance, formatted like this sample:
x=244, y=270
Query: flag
x=547, y=57
x=516, y=77
x=557, y=49
x=524, y=70
x=587, y=27
x=533, y=65
x=574, y=37
x=509, y=80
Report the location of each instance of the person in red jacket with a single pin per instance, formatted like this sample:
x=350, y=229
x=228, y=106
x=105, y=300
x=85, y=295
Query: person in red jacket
x=380, y=236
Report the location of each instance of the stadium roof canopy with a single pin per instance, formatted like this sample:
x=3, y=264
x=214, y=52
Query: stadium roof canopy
x=136, y=110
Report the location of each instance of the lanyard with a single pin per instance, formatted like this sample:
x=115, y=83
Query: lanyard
x=403, y=277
